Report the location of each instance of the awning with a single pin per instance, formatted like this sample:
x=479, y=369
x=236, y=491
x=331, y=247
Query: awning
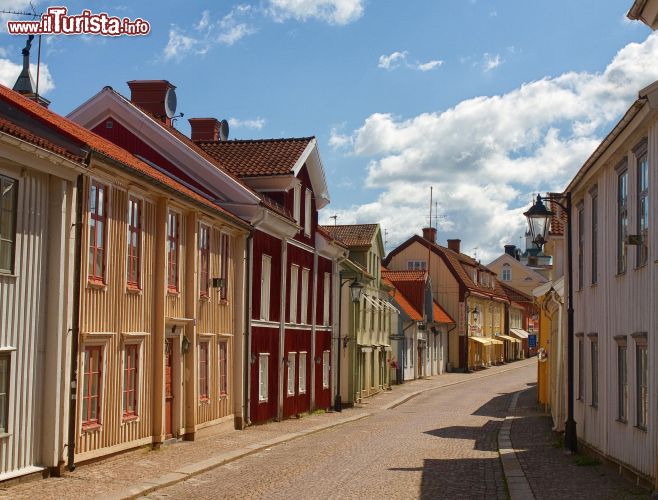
x=497, y=342
x=518, y=333
x=373, y=302
x=481, y=340
x=507, y=337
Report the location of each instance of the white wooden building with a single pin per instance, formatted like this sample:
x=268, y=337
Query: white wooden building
x=615, y=280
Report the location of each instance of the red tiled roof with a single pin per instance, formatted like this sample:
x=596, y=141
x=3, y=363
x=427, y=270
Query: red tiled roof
x=104, y=147
x=354, y=235
x=515, y=295
x=558, y=219
x=397, y=276
x=405, y=305
x=329, y=237
x=440, y=314
x=251, y=158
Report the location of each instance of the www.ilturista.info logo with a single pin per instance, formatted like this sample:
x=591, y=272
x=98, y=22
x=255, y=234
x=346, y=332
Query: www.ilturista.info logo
x=57, y=21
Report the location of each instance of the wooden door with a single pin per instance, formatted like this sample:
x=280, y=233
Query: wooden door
x=169, y=389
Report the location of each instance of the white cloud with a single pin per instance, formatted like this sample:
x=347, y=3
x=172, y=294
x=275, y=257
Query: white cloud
x=491, y=61
x=179, y=44
x=486, y=155
x=338, y=12
x=399, y=58
x=338, y=140
x=10, y=70
x=429, y=65
x=254, y=123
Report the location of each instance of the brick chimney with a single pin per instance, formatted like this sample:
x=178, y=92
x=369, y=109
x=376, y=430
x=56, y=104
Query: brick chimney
x=454, y=245
x=149, y=95
x=204, y=129
x=510, y=250
x=429, y=233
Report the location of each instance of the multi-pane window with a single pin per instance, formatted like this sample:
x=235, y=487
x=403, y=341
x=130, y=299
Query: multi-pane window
x=204, y=356
x=622, y=383
x=302, y=373
x=326, y=297
x=507, y=273
x=594, y=367
x=581, y=245
x=325, y=369
x=92, y=370
x=581, y=369
x=134, y=242
x=304, y=293
x=225, y=251
x=622, y=220
x=204, y=260
x=294, y=278
x=308, y=216
x=223, y=368
x=595, y=236
x=130, y=380
x=173, y=239
x=291, y=373
x=416, y=265
x=263, y=366
x=97, y=231
x=265, y=283
x=5, y=364
x=642, y=382
x=8, y=199
x=643, y=209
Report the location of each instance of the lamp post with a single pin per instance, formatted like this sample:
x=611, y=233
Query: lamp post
x=539, y=220
x=355, y=295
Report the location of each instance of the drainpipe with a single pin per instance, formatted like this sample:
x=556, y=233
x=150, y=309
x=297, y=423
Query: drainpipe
x=467, y=294
x=75, y=327
x=247, y=349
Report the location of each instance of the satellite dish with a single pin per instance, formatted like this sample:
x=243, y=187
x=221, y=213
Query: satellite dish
x=223, y=130
x=170, y=103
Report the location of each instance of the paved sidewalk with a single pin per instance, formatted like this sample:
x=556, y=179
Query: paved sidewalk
x=550, y=471
x=141, y=471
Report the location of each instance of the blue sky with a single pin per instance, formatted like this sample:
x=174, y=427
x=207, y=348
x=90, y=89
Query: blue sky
x=487, y=101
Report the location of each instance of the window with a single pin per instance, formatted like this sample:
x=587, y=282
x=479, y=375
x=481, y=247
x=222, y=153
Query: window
x=622, y=220
x=308, y=215
x=507, y=273
x=5, y=365
x=173, y=231
x=326, y=356
x=581, y=245
x=263, y=366
x=622, y=383
x=8, y=200
x=594, y=367
x=304, y=292
x=416, y=265
x=134, y=242
x=225, y=256
x=595, y=236
x=326, y=297
x=302, y=373
x=203, y=370
x=294, y=277
x=291, y=373
x=297, y=194
x=223, y=368
x=91, y=385
x=642, y=381
x=581, y=369
x=265, y=283
x=97, y=231
x=642, y=210
x=130, y=380
x=204, y=260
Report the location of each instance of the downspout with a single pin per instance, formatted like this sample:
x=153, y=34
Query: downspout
x=247, y=349
x=75, y=327
x=467, y=294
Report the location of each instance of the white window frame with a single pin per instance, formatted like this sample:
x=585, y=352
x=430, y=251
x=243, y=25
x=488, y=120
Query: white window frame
x=326, y=299
x=291, y=373
x=265, y=285
x=308, y=205
x=641, y=409
x=297, y=194
x=304, y=291
x=301, y=372
x=294, y=286
x=8, y=355
x=326, y=369
x=263, y=389
x=416, y=265
x=140, y=346
x=506, y=274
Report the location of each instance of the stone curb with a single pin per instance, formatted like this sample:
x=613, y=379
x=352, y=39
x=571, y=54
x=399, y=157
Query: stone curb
x=191, y=470
x=517, y=483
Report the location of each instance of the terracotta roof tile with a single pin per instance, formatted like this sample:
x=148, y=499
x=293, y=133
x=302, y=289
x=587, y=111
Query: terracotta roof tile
x=405, y=305
x=103, y=146
x=405, y=276
x=558, y=219
x=354, y=235
x=515, y=295
x=440, y=314
x=251, y=158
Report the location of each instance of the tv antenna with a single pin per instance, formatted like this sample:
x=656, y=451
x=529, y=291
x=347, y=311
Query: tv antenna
x=335, y=218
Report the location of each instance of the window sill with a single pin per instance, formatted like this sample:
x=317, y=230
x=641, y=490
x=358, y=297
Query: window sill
x=204, y=297
x=4, y=435
x=4, y=274
x=204, y=401
x=91, y=427
x=262, y=401
x=173, y=292
x=129, y=418
x=642, y=266
x=640, y=428
x=223, y=302
x=96, y=285
x=593, y=285
x=621, y=421
x=133, y=290
x=223, y=395
x=594, y=406
x=619, y=275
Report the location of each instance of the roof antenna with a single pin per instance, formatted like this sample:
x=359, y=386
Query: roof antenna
x=385, y=239
x=335, y=218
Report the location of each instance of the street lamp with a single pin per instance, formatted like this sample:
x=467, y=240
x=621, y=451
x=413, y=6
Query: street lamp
x=539, y=220
x=356, y=288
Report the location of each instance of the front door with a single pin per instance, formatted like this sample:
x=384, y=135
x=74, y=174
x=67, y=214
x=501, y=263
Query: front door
x=169, y=389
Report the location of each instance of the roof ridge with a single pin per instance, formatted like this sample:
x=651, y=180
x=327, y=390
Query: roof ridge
x=271, y=139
